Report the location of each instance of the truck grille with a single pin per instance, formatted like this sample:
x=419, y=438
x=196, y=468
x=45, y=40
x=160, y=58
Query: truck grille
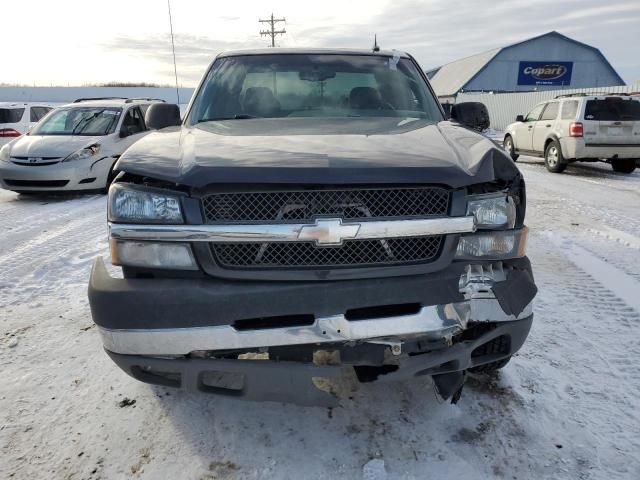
x=302, y=206
x=352, y=253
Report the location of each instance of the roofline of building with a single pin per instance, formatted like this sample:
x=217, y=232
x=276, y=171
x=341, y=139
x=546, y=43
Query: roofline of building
x=513, y=45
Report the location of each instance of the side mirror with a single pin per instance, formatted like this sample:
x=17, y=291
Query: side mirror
x=520, y=118
x=162, y=115
x=473, y=115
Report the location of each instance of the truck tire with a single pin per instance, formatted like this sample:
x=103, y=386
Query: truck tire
x=508, y=146
x=553, y=159
x=623, y=165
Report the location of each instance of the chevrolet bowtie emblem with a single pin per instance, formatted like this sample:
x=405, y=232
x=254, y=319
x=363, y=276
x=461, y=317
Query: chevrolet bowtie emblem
x=327, y=232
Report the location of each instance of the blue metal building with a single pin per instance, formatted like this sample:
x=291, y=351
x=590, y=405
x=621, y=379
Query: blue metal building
x=548, y=62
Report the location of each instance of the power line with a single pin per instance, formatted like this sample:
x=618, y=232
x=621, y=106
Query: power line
x=272, y=32
x=173, y=48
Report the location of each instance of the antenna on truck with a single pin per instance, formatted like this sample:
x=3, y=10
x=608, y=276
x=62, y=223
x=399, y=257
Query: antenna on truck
x=173, y=48
x=375, y=48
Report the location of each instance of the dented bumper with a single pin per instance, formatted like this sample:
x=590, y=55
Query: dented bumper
x=301, y=383
x=174, y=331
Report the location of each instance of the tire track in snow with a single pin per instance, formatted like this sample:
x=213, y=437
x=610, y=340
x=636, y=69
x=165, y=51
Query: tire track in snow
x=583, y=347
x=60, y=255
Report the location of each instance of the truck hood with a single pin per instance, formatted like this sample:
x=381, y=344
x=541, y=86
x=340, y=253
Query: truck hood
x=50, y=145
x=318, y=151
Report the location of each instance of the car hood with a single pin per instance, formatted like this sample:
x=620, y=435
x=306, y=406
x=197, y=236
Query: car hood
x=50, y=145
x=318, y=151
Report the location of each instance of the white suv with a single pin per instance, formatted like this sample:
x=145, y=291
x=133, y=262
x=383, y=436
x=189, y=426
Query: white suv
x=17, y=118
x=75, y=147
x=579, y=127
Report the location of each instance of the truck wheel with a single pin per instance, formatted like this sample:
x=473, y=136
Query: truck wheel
x=553, y=159
x=508, y=146
x=623, y=165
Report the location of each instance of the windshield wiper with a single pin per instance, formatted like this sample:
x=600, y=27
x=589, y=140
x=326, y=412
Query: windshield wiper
x=84, y=121
x=240, y=116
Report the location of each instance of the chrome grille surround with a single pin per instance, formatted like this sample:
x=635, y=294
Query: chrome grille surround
x=346, y=204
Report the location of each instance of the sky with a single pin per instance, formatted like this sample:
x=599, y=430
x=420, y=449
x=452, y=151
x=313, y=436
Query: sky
x=69, y=42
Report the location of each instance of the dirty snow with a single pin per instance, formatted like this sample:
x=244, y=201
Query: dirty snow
x=567, y=406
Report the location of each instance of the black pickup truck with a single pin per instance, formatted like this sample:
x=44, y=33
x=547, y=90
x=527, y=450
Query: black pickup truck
x=313, y=216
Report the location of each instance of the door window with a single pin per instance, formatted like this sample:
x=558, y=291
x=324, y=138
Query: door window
x=37, y=113
x=133, y=122
x=534, y=114
x=550, y=112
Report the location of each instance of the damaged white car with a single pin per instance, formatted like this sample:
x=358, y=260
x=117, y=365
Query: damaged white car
x=74, y=147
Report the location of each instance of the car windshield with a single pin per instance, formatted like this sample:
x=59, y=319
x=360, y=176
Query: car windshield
x=322, y=85
x=87, y=121
x=612, y=109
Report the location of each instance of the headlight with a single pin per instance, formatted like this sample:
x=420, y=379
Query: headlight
x=499, y=245
x=5, y=153
x=152, y=255
x=90, y=151
x=492, y=211
x=129, y=205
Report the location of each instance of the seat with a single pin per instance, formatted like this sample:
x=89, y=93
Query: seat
x=260, y=102
x=365, y=98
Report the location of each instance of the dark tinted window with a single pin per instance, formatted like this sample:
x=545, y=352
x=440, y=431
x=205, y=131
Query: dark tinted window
x=268, y=86
x=612, y=109
x=11, y=115
x=38, y=112
x=551, y=112
x=569, y=110
x=133, y=122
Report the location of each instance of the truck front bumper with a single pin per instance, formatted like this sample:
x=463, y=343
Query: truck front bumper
x=157, y=329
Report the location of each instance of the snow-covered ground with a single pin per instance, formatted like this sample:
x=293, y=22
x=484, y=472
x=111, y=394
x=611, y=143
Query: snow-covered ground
x=567, y=406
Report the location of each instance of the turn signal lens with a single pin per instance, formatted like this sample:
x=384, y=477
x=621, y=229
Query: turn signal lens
x=177, y=256
x=499, y=245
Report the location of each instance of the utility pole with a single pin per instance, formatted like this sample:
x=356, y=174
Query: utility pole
x=272, y=32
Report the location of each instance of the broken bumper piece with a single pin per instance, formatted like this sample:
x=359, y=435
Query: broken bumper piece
x=293, y=382
x=197, y=333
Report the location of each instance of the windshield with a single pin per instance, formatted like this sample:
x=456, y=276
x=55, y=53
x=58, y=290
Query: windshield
x=87, y=121
x=296, y=85
x=612, y=109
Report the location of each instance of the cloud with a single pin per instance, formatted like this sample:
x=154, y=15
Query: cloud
x=435, y=32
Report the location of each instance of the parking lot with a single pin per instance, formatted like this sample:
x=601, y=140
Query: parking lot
x=567, y=406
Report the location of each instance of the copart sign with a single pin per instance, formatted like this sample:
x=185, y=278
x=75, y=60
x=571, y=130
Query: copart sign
x=545, y=73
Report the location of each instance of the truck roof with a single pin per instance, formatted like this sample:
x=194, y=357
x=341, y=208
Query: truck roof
x=313, y=51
